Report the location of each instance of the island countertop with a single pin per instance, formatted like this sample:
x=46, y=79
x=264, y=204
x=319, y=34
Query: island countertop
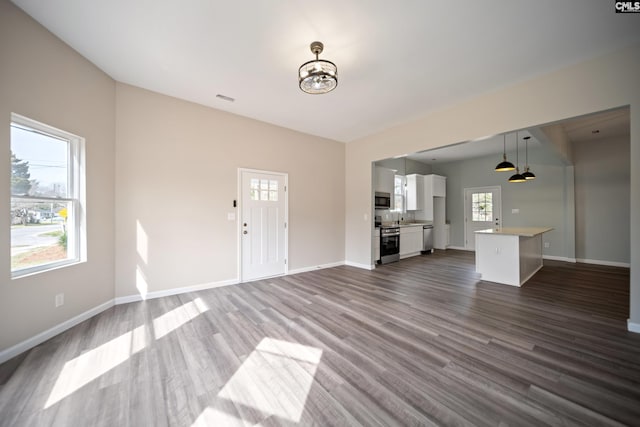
x=516, y=231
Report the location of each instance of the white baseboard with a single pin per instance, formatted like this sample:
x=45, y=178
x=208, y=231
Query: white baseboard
x=559, y=258
x=358, y=265
x=174, y=291
x=633, y=327
x=460, y=248
x=316, y=267
x=600, y=262
x=28, y=344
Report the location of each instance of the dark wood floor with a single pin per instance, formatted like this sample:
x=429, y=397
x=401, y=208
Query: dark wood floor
x=418, y=342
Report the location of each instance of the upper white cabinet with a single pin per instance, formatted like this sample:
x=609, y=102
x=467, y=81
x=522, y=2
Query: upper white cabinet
x=383, y=181
x=432, y=186
x=439, y=185
x=415, y=192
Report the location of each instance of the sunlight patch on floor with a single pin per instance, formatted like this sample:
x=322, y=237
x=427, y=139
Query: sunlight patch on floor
x=172, y=320
x=275, y=379
x=90, y=365
x=213, y=417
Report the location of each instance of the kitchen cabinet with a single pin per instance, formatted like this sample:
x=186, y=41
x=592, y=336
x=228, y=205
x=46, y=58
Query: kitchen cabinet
x=410, y=240
x=441, y=236
x=439, y=185
x=376, y=245
x=439, y=223
x=384, y=181
x=432, y=186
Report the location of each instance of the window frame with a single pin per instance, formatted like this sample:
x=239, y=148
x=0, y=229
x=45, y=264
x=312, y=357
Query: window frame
x=75, y=197
x=403, y=195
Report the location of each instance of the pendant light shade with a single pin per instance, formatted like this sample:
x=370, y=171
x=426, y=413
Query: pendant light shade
x=528, y=175
x=504, y=165
x=317, y=76
x=517, y=177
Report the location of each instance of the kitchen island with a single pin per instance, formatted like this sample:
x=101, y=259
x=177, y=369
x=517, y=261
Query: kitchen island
x=509, y=255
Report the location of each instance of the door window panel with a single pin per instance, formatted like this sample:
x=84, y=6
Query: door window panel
x=481, y=207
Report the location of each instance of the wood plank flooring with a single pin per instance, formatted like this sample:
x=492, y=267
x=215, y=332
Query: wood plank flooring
x=418, y=342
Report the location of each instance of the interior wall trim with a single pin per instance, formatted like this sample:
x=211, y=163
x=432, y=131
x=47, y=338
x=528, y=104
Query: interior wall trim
x=633, y=327
x=174, y=291
x=358, y=265
x=35, y=340
x=316, y=267
x=459, y=248
x=601, y=262
x=559, y=258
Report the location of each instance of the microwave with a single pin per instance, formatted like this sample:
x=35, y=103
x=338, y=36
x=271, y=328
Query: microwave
x=383, y=200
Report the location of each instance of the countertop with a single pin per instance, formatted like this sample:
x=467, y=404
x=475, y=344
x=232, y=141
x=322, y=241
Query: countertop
x=516, y=231
x=406, y=224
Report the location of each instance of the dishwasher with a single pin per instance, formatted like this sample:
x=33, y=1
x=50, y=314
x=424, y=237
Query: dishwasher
x=427, y=239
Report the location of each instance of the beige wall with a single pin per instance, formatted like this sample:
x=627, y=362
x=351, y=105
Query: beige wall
x=599, y=84
x=176, y=179
x=43, y=79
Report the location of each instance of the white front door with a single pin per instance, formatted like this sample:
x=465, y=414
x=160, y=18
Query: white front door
x=482, y=210
x=263, y=228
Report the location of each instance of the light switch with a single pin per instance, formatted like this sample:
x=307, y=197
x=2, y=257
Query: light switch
x=231, y=216
x=515, y=211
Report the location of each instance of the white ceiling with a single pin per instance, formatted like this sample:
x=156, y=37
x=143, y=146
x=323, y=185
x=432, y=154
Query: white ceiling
x=396, y=60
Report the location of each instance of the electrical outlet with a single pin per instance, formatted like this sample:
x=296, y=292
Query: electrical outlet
x=59, y=300
x=546, y=244
x=515, y=211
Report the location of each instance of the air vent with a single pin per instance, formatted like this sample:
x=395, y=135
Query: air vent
x=225, y=98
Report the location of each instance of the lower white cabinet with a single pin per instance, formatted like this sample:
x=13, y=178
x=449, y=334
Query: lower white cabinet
x=410, y=241
x=442, y=238
x=376, y=245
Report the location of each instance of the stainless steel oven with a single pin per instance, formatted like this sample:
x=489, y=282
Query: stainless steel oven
x=389, y=244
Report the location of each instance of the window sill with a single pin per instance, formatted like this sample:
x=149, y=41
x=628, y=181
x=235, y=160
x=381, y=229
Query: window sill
x=32, y=271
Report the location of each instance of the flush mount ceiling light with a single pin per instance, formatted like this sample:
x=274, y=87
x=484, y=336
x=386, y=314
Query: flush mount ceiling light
x=504, y=165
x=516, y=177
x=527, y=173
x=318, y=76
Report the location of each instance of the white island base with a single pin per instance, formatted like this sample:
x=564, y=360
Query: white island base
x=509, y=255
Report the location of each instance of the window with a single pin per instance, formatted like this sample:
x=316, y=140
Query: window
x=399, y=191
x=264, y=189
x=47, y=197
x=482, y=207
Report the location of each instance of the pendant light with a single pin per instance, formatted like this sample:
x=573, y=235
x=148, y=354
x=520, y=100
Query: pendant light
x=317, y=76
x=504, y=165
x=517, y=177
x=528, y=175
